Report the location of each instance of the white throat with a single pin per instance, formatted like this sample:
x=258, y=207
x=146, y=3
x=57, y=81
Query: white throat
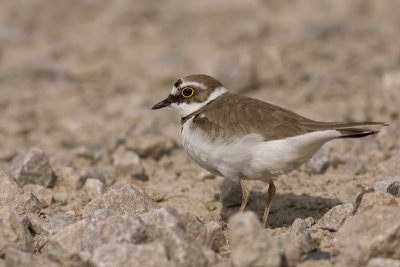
x=185, y=109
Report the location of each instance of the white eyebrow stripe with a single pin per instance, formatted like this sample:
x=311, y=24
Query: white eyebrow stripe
x=187, y=84
x=193, y=84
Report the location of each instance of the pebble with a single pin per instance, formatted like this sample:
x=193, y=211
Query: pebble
x=334, y=218
x=26, y=203
x=394, y=189
x=35, y=223
x=13, y=231
x=9, y=189
x=68, y=178
x=7, y=154
x=376, y=199
x=126, y=163
x=295, y=243
x=251, y=244
x=188, y=239
x=66, y=245
x=153, y=254
x=210, y=206
x=383, y=186
x=93, y=188
x=32, y=167
x=373, y=233
x=127, y=200
x=58, y=222
x=148, y=146
x=15, y=257
x=45, y=195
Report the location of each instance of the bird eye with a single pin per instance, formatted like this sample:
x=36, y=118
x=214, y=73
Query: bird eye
x=187, y=92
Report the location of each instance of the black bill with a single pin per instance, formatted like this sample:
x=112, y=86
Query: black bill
x=162, y=104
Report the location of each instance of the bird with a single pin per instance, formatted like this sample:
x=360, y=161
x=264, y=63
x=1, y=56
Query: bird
x=244, y=138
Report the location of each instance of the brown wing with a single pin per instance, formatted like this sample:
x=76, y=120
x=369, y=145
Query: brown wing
x=233, y=115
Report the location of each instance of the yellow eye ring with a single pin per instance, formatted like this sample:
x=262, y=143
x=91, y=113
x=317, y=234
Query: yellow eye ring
x=187, y=92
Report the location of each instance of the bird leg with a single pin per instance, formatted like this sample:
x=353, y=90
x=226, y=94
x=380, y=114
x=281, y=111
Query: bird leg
x=246, y=195
x=271, y=194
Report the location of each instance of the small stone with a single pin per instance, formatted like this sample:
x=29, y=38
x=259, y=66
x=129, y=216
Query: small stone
x=179, y=233
x=126, y=162
x=210, y=206
x=382, y=186
x=45, y=195
x=394, y=189
x=33, y=167
x=107, y=226
x=375, y=199
x=94, y=188
x=35, y=223
x=383, y=262
x=215, y=237
x=182, y=248
x=68, y=242
x=58, y=222
x=94, y=152
x=209, y=235
x=157, y=195
x=231, y=193
x=318, y=163
x=335, y=217
x=306, y=223
x=252, y=245
x=68, y=178
x=16, y=257
x=7, y=155
x=9, y=189
x=127, y=200
x=373, y=233
x=295, y=243
x=26, y=203
x=13, y=231
x=150, y=146
x=165, y=216
x=62, y=197
x=83, y=237
x=153, y=254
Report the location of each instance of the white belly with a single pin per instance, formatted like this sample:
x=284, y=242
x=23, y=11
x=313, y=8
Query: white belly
x=250, y=157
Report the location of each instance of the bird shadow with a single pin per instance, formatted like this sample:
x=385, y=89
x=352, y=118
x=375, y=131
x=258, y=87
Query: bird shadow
x=285, y=208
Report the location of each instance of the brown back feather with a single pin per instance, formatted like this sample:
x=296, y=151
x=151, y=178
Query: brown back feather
x=270, y=121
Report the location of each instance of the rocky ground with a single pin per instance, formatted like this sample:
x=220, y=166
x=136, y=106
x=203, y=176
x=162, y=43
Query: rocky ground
x=90, y=176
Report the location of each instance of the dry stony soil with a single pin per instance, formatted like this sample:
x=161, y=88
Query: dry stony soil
x=91, y=176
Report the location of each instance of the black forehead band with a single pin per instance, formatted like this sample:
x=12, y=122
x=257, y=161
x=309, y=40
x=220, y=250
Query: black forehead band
x=178, y=83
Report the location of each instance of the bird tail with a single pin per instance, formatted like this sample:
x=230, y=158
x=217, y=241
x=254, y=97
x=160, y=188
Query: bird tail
x=357, y=129
x=348, y=129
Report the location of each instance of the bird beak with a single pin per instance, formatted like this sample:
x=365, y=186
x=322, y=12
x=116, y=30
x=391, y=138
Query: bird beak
x=162, y=104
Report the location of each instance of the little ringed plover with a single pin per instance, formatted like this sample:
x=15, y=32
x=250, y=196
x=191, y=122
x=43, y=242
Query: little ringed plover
x=243, y=138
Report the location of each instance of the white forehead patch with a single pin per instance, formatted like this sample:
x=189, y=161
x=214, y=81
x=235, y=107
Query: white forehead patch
x=184, y=109
x=174, y=91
